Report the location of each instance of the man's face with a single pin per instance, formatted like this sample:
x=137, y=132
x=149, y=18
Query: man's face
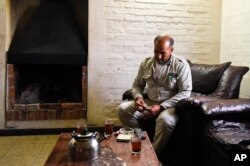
x=162, y=51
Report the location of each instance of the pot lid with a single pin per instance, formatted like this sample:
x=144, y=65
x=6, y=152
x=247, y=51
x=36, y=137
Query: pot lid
x=84, y=135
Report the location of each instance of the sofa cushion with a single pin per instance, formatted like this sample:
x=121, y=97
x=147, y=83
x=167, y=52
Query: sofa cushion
x=230, y=135
x=229, y=84
x=206, y=77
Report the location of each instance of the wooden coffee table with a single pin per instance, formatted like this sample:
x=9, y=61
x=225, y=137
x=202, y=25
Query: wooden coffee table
x=59, y=155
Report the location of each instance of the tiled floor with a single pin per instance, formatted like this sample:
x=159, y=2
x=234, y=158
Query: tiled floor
x=26, y=150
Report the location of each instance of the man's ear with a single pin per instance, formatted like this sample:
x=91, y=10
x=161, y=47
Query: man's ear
x=172, y=49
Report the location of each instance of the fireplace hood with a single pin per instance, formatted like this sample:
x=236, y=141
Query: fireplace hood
x=51, y=36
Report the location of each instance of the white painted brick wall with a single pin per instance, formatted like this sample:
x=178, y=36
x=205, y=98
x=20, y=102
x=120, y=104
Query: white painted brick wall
x=235, y=37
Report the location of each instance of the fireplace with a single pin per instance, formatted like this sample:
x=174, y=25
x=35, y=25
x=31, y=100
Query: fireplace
x=47, y=64
x=46, y=92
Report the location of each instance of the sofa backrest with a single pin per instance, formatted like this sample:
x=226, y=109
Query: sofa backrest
x=229, y=84
x=205, y=77
x=220, y=80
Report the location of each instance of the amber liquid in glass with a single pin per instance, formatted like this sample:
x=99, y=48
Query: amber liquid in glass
x=136, y=145
x=109, y=126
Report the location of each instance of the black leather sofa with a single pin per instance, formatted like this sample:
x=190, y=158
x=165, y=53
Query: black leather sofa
x=195, y=141
x=213, y=85
x=224, y=131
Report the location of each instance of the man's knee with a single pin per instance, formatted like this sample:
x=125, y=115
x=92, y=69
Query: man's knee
x=120, y=109
x=166, y=120
x=123, y=108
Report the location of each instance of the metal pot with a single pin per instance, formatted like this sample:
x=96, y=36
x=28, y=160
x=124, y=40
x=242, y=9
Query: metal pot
x=84, y=147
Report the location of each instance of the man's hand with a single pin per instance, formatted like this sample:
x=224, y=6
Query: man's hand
x=151, y=111
x=140, y=104
x=155, y=109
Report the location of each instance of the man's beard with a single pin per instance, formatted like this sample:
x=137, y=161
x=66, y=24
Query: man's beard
x=161, y=62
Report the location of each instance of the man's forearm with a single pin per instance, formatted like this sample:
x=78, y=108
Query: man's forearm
x=171, y=102
x=137, y=92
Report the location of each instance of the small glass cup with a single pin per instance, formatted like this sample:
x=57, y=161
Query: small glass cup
x=136, y=144
x=109, y=124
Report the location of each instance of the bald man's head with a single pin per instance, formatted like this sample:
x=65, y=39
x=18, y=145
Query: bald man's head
x=163, y=48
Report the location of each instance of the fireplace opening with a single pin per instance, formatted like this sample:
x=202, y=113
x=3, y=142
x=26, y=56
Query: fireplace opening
x=46, y=92
x=48, y=83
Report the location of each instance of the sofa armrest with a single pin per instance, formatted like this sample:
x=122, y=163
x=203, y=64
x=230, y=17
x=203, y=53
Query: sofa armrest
x=127, y=95
x=227, y=108
x=194, y=102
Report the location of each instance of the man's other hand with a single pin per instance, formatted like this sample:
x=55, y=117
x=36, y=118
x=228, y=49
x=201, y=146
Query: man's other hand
x=140, y=104
x=155, y=109
x=151, y=111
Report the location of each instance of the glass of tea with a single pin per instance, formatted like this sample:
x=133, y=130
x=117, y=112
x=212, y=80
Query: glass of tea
x=136, y=144
x=109, y=124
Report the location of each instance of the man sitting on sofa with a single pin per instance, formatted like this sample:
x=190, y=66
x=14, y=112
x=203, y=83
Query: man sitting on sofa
x=168, y=79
